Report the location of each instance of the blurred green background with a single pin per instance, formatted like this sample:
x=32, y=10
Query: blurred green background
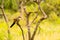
x=49, y=28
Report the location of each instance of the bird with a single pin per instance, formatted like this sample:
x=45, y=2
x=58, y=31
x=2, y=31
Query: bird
x=15, y=21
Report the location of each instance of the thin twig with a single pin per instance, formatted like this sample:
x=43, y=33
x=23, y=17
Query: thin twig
x=34, y=18
x=21, y=29
x=44, y=14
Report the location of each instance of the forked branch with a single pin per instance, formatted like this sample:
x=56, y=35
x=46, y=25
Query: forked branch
x=27, y=20
x=40, y=20
x=21, y=29
x=16, y=21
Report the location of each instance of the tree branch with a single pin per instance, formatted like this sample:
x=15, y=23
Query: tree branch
x=20, y=9
x=16, y=20
x=44, y=14
x=34, y=18
x=2, y=9
x=33, y=35
x=21, y=29
x=6, y=19
x=44, y=17
x=28, y=26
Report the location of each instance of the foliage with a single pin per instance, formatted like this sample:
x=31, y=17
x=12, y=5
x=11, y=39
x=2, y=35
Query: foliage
x=50, y=28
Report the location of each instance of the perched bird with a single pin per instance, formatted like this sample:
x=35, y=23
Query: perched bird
x=15, y=21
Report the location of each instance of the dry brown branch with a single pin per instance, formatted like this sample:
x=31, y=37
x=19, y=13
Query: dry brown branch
x=34, y=18
x=33, y=35
x=28, y=26
x=21, y=29
x=44, y=14
x=16, y=21
x=42, y=18
x=20, y=9
x=6, y=19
